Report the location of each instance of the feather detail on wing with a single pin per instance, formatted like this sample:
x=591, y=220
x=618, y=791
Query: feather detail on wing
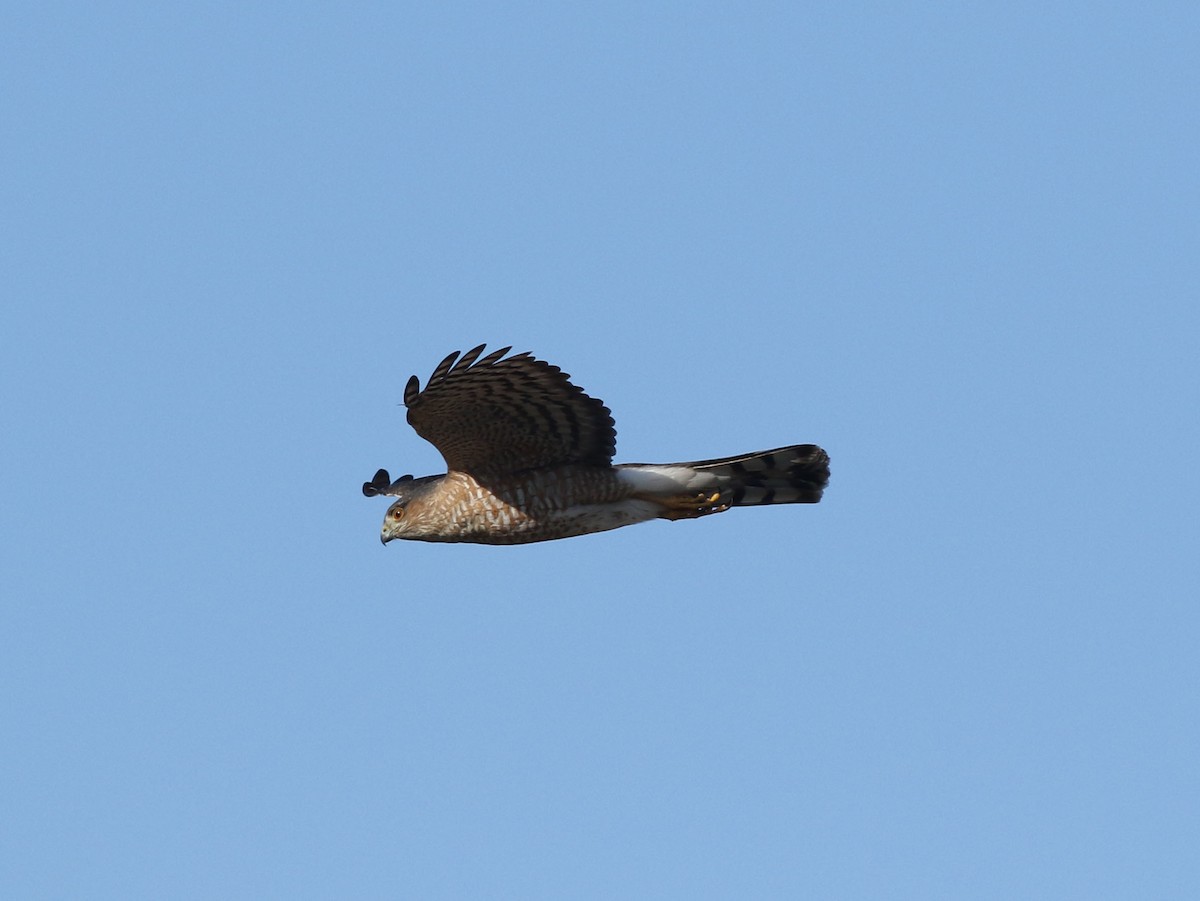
x=495, y=415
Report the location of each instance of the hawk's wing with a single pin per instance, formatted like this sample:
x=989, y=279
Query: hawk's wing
x=495, y=415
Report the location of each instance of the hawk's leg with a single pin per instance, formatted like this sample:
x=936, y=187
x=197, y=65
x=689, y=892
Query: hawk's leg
x=691, y=506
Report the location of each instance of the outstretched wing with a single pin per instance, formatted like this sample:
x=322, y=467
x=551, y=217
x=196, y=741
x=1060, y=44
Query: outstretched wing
x=493, y=415
x=382, y=484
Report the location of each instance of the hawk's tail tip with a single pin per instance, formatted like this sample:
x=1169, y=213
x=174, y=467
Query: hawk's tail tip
x=787, y=475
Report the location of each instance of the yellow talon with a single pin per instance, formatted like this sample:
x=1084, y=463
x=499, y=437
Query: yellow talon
x=692, y=506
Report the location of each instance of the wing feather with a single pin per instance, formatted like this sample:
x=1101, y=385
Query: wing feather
x=500, y=414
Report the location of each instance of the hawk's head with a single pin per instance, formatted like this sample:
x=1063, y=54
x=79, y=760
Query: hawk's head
x=398, y=521
x=394, y=521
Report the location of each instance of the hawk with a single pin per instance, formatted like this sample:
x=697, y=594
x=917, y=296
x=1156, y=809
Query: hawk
x=529, y=458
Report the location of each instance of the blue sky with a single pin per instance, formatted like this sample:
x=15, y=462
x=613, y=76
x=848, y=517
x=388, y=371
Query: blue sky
x=955, y=245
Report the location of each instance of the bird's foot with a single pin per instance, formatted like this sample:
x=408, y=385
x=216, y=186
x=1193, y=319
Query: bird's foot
x=690, y=506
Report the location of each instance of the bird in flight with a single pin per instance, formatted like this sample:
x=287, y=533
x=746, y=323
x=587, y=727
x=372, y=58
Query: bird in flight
x=529, y=458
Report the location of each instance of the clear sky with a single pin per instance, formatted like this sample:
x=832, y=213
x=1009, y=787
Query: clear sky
x=955, y=244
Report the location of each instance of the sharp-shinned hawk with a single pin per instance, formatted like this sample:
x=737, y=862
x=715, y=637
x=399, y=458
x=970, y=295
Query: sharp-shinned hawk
x=529, y=458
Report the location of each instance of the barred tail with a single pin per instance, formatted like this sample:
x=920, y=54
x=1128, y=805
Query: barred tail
x=786, y=475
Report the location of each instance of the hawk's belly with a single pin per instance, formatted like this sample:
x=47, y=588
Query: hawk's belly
x=540, y=506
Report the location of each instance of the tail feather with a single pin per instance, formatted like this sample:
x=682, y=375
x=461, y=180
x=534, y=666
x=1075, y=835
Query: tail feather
x=786, y=475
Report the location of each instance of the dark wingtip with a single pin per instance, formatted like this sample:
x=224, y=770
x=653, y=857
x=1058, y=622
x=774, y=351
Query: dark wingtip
x=412, y=390
x=377, y=485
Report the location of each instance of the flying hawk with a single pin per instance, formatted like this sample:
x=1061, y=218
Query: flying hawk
x=529, y=458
